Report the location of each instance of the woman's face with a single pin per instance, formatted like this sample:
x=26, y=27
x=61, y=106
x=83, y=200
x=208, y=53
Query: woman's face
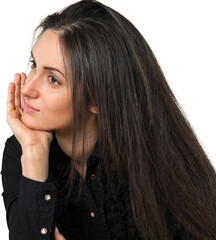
x=46, y=89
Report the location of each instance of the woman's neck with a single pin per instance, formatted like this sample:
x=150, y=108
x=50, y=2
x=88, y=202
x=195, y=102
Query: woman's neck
x=64, y=139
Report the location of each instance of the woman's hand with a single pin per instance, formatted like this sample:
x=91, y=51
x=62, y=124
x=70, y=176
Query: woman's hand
x=57, y=234
x=26, y=136
x=35, y=144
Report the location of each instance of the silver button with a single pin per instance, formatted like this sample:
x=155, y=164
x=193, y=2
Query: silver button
x=92, y=214
x=47, y=197
x=43, y=231
x=92, y=177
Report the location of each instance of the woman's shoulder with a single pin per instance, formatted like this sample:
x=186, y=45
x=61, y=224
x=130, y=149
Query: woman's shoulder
x=11, y=159
x=13, y=144
x=13, y=147
x=11, y=164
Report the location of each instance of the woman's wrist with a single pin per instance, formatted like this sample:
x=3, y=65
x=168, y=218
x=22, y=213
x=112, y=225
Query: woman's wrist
x=35, y=164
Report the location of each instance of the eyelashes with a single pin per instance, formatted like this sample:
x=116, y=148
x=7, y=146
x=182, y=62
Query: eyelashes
x=53, y=81
x=33, y=65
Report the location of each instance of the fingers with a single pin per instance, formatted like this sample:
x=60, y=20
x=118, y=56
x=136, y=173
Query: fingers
x=23, y=79
x=10, y=98
x=14, y=95
x=13, y=115
x=17, y=97
x=57, y=234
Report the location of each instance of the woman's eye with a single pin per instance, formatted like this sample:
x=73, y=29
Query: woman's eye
x=33, y=65
x=54, y=80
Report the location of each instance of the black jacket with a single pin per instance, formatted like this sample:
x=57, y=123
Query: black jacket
x=34, y=208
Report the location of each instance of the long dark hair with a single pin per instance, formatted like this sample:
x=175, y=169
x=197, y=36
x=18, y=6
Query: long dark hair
x=143, y=131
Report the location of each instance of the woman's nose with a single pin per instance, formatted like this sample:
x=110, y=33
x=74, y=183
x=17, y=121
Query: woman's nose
x=30, y=87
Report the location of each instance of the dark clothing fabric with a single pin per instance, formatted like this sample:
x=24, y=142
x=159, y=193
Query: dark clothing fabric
x=34, y=208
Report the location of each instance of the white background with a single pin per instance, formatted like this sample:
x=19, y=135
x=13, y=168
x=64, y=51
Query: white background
x=181, y=34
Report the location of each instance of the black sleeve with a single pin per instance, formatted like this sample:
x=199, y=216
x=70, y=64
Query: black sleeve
x=29, y=204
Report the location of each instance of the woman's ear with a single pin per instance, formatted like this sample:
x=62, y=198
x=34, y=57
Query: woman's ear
x=93, y=109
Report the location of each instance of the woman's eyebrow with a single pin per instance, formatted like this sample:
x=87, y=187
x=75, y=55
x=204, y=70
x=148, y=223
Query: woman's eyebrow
x=48, y=68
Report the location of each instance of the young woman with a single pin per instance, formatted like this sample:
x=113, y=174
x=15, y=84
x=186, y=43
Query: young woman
x=101, y=149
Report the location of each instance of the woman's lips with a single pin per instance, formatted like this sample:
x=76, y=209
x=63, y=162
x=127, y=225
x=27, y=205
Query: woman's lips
x=28, y=108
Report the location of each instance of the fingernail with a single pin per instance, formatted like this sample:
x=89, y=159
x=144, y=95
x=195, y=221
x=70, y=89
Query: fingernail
x=57, y=229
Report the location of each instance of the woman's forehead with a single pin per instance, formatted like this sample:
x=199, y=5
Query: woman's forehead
x=47, y=51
